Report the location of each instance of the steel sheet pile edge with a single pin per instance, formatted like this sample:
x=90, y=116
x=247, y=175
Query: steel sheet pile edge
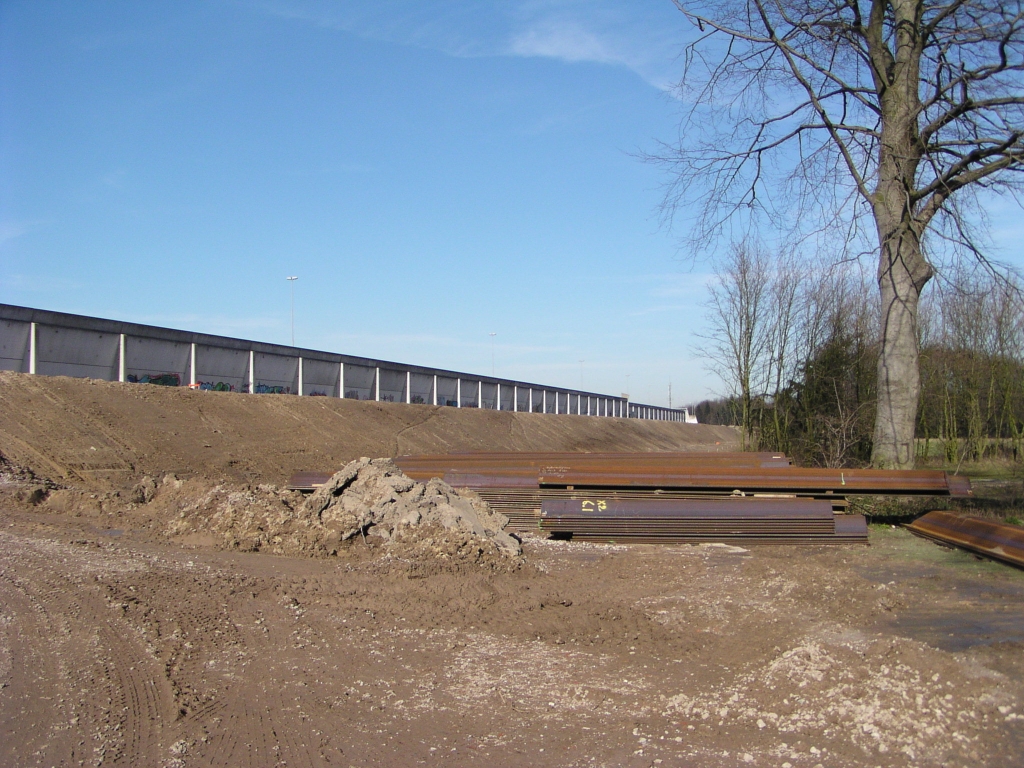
x=1000, y=541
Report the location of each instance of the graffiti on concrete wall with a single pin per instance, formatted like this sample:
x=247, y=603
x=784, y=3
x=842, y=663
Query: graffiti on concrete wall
x=219, y=386
x=163, y=379
x=272, y=389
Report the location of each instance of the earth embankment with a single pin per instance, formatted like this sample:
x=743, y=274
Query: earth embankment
x=105, y=435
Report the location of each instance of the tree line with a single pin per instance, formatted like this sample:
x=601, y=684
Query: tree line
x=798, y=351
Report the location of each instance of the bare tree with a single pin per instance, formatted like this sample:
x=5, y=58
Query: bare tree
x=870, y=118
x=738, y=332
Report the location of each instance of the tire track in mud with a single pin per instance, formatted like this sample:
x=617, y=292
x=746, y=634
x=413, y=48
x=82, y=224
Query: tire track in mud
x=104, y=698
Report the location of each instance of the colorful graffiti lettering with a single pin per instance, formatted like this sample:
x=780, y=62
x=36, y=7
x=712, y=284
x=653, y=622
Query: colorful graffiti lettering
x=272, y=389
x=418, y=399
x=163, y=379
x=220, y=386
x=315, y=393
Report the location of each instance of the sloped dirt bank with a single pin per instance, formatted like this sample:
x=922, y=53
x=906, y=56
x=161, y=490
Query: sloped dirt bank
x=106, y=436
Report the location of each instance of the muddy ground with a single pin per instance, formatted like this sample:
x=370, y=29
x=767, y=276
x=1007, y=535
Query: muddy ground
x=125, y=643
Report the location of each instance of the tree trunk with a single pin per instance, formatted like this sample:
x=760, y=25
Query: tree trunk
x=902, y=274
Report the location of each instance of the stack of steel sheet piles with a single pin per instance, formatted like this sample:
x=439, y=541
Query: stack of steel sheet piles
x=521, y=484
x=522, y=506
x=749, y=520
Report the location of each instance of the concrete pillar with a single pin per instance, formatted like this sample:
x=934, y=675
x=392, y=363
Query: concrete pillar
x=497, y=398
x=544, y=402
x=121, y=365
x=529, y=400
x=300, y=376
x=458, y=393
x=192, y=365
x=435, y=389
x=252, y=372
x=479, y=394
x=557, y=398
x=341, y=379
x=32, y=334
x=376, y=385
x=515, y=398
x=408, y=387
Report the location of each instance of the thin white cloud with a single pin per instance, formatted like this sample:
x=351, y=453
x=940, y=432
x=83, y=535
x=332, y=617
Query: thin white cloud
x=643, y=39
x=566, y=41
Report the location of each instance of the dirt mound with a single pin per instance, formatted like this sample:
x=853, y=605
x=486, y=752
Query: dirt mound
x=105, y=436
x=373, y=496
x=369, y=497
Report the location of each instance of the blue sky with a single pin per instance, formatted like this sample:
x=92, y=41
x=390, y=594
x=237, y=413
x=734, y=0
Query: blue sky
x=432, y=172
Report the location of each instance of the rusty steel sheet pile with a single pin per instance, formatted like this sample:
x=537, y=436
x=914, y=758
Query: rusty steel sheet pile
x=803, y=480
x=492, y=464
x=1000, y=541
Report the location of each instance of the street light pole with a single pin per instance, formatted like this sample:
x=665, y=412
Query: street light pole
x=291, y=279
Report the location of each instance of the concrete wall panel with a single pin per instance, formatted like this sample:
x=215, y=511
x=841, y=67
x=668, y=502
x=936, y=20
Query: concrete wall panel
x=156, y=361
x=392, y=386
x=446, y=391
x=14, y=345
x=359, y=382
x=469, y=393
x=507, y=397
x=75, y=352
x=276, y=374
x=222, y=370
x=490, y=392
x=422, y=388
x=320, y=378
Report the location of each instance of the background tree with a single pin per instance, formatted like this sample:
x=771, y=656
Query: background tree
x=874, y=119
x=739, y=335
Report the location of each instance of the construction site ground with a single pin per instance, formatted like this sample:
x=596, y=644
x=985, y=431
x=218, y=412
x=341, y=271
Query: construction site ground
x=121, y=644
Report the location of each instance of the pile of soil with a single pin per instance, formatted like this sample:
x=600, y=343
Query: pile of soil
x=369, y=497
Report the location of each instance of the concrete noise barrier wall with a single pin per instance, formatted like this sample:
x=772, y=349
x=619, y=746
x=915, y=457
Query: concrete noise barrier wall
x=57, y=344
